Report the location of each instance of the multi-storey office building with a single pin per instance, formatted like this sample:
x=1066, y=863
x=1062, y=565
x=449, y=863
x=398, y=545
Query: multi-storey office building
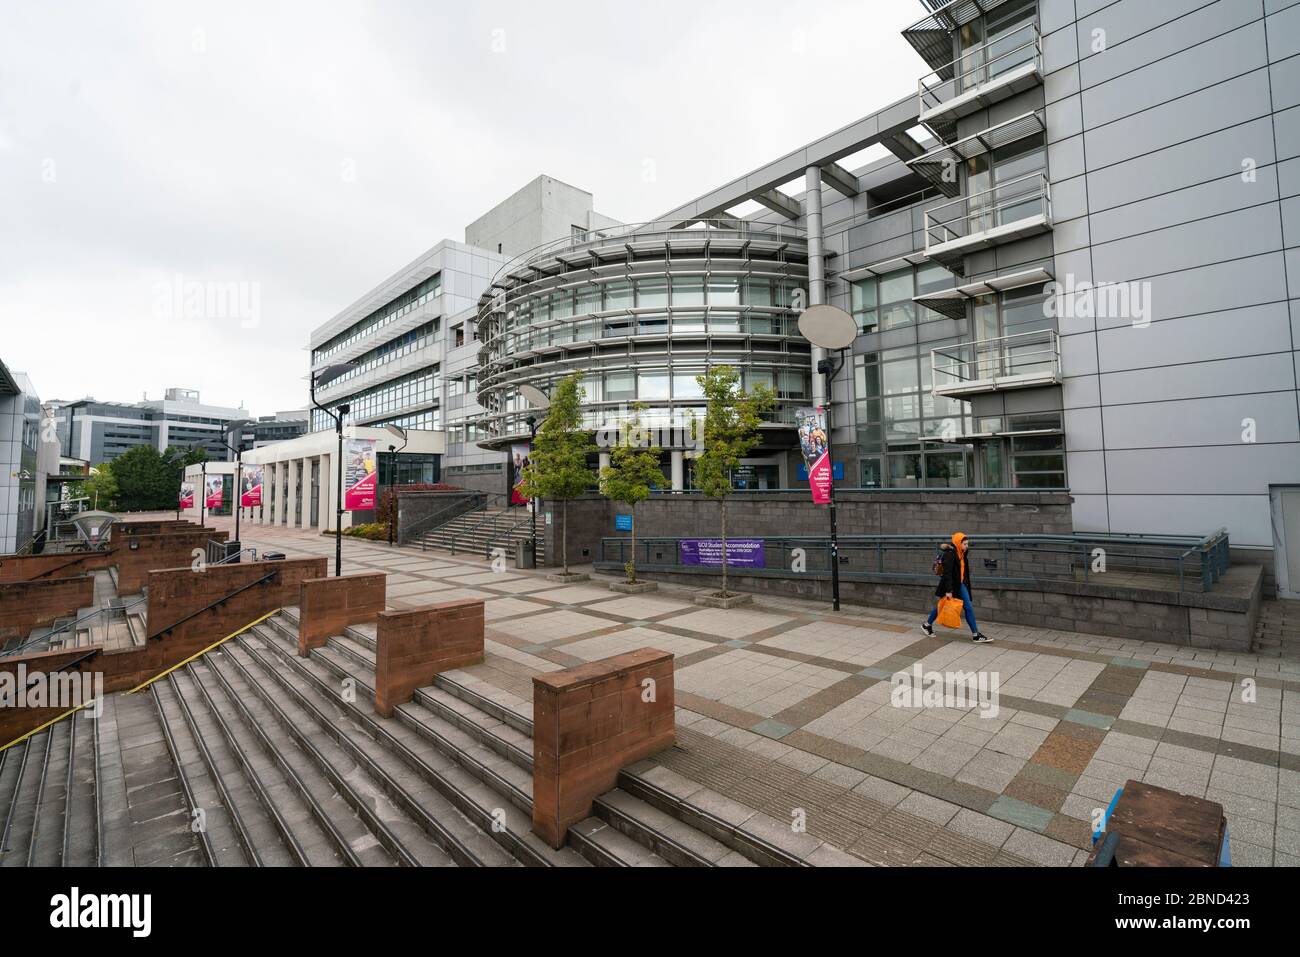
x=101, y=431
x=26, y=461
x=1072, y=255
x=415, y=338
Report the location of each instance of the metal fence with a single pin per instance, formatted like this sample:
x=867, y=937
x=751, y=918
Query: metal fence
x=1181, y=563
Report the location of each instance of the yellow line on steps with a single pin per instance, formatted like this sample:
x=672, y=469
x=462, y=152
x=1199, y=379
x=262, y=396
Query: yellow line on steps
x=141, y=687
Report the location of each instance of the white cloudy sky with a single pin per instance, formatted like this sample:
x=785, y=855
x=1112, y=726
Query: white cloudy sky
x=309, y=150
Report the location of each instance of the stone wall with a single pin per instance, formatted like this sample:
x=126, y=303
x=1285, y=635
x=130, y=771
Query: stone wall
x=140, y=554
x=416, y=511
x=589, y=722
x=775, y=514
x=413, y=646
x=328, y=605
x=176, y=593
x=27, y=605
x=23, y=568
x=1222, y=619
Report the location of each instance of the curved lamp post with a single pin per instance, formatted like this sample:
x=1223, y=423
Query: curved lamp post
x=231, y=427
x=322, y=379
x=393, y=451
x=832, y=329
x=538, y=399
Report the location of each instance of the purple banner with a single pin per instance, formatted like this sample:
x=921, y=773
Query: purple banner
x=741, y=552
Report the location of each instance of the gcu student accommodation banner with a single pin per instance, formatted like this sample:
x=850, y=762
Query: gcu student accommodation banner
x=816, y=447
x=215, y=491
x=250, y=486
x=187, y=495
x=360, y=479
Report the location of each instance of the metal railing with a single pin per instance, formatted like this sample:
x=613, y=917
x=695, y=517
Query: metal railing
x=457, y=504
x=493, y=528
x=980, y=64
x=1163, y=563
x=1028, y=358
x=101, y=619
x=1014, y=201
x=269, y=576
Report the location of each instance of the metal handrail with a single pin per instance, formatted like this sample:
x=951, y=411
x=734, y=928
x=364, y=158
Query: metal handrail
x=995, y=353
x=1194, y=562
x=927, y=86
x=214, y=604
x=106, y=611
x=940, y=230
x=428, y=523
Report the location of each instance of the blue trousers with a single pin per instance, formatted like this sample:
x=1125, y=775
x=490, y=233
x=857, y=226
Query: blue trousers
x=967, y=606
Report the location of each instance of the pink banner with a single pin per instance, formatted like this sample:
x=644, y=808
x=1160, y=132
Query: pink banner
x=250, y=495
x=819, y=479
x=186, y=499
x=216, y=488
x=360, y=479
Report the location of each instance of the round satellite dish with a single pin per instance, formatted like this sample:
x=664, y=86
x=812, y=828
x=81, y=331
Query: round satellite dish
x=828, y=327
x=534, y=396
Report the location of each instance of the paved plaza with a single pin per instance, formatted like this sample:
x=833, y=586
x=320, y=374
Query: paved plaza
x=786, y=708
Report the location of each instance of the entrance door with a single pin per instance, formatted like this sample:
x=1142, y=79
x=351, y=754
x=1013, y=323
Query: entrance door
x=992, y=464
x=1285, y=501
x=869, y=472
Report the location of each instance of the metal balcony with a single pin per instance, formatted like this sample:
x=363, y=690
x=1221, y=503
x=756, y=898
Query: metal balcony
x=1012, y=210
x=981, y=76
x=1025, y=361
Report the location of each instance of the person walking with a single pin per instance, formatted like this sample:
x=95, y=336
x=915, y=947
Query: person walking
x=955, y=583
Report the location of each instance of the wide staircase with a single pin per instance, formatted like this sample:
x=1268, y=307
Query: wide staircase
x=284, y=761
x=1277, y=634
x=482, y=530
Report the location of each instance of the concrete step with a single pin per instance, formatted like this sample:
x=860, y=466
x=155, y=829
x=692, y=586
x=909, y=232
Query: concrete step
x=380, y=798
x=266, y=834
x=359, y=731
x=353, y=649
x=606, y=846
x=46, y=847
x=339, y=834
x=668, y=837
x=19, y=821
x=224, y=837
x=507, y=825
x=81, y=824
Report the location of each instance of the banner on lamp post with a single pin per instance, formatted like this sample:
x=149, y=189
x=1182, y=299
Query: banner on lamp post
x=250, y=486
x=214, y=494
x=360, y=479
x=519, y=462
x=186, y=499
x=816, y=447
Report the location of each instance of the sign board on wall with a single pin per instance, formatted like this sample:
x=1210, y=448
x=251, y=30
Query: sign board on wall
x=360, y=478
x=741, y=552
x=623, y=523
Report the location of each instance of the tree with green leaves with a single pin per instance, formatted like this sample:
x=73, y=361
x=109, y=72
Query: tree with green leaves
x=632, y=472
x=99, y=486
x=557, y=463
x=731, y=422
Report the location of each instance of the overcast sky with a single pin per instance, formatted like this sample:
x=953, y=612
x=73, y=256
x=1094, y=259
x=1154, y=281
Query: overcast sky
x=296, y=154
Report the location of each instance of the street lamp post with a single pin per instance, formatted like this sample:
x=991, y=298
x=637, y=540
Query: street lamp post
x=540, y=401
x=832, y=329
x=322, y=378
x=238, y=449
x=393, y=452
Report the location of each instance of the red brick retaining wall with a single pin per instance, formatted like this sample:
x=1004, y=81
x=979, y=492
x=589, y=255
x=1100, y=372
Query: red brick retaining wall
x=328, y=605
x=413, y=646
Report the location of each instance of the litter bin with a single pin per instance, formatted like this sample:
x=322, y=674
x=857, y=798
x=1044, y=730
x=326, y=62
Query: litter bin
x=524, y=555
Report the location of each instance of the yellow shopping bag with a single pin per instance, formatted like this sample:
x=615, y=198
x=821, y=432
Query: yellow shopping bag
x=950, y=612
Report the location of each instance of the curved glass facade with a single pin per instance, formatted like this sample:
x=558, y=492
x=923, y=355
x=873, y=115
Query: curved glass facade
x=641, y=311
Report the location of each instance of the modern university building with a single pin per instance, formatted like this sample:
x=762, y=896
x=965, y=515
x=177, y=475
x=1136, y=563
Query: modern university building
x=1073, y=256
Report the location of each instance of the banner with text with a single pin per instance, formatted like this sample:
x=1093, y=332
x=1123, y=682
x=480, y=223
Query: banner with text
x=741, y=552
x=816, y=447
x=250, y=486
x=215, y=494
x=519, y=462
x=187, y=495
x=360, y=479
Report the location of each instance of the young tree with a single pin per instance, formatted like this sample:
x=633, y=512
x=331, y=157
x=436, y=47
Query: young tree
x=632, y=472
x=731, y=422
x=100, y=487
x=557, y=464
